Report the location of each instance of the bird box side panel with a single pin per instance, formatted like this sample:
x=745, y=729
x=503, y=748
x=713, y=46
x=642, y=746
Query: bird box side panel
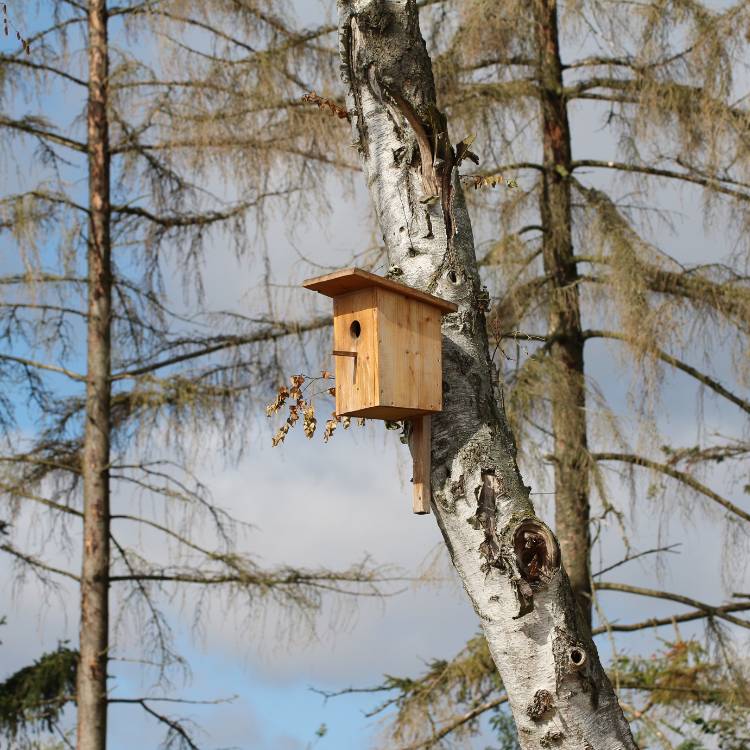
x=409, y=353
x=354, y=332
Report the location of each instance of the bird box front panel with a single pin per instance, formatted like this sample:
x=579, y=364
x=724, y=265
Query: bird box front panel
x=409, y=354
x=355, y=346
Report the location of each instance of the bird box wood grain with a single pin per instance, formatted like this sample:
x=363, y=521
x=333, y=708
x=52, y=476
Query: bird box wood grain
x=355, y=330
x=387, y=345
x=410, y=353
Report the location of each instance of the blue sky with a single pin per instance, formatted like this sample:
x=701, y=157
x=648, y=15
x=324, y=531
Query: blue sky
x=329, y=505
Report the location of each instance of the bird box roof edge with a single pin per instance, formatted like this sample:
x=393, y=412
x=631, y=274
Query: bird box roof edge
x=352, y=279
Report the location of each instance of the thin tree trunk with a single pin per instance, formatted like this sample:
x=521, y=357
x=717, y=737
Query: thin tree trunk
x=94, y=635
x=508, y=560
x=566, y=351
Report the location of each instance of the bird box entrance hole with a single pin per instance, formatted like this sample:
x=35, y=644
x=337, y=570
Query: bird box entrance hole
x=388, y=350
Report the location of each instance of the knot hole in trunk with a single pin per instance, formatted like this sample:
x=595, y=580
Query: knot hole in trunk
x=537, y=552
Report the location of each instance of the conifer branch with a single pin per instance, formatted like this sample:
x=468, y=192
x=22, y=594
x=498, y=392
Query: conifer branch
x=655, y=622
x=730, y=298
x=13, y=307
x=456, y=723
x=708, y=381
x=33, y=65
x=33, y=126
x=46, y=197
x=680, y=476
x=711, y=611
x=228, y=144
x=177, y=729
x=160, y=629
x=324, y=581
x=36, y=563
x=277, y=331
x=628, y=558
x=18, y=491
x=713, y=184
x=42, y=366
x=41, y=278
x=230, y=560
x=198, y=219
x=596, y=61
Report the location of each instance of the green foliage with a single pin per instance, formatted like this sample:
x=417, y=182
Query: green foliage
x=34, y=697
x=679, y=694
x=687, y=694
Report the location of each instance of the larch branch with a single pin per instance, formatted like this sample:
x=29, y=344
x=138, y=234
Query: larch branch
x=279, y=331
x=713, y=184
x=455, y=723
x=711, y=611
x=41, y=366
x=708, y=381
x=655, y=622
x=680, y=476
x=30, y=127
x=33, y=65
x=36, y=563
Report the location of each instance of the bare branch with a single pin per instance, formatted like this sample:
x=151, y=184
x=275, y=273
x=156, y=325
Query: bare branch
x=712, y=184
x=33, y=65
x=36, y=563
x=655, y=622
x=34, y=126
x=708, y=381
x=277, y=331
x=709, y=610
x=455, y=723
x=41, y=366
x=681, y=476
x=628, y=558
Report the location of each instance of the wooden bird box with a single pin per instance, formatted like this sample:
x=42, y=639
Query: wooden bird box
x=389, y=364
x=387, y=345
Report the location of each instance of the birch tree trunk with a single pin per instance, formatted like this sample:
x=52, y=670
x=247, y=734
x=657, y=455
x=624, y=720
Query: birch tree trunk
x=508, y=560
x=91, y=691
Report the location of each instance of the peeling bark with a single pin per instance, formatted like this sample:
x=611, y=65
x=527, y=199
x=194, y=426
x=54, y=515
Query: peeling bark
x=508, y=560
x=91, y=693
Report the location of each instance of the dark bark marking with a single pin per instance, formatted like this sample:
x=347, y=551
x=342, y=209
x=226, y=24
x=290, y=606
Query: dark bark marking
x=499, y=550
x=542, y=703
x=577, y=658
x=537, y=552
x=551, y=738
x=573, y=665
x=348, y=73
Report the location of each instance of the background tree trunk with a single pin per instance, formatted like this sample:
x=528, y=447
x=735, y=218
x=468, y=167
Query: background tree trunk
x=94, y=636
x=508, y=560
x=564, y=329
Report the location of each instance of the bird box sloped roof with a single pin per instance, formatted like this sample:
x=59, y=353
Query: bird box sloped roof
x=351, y=279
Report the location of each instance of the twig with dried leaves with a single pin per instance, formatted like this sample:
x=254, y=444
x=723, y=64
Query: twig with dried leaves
x=294, y=398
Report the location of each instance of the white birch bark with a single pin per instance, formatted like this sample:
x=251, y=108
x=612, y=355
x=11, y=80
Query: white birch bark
x=507, y=558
